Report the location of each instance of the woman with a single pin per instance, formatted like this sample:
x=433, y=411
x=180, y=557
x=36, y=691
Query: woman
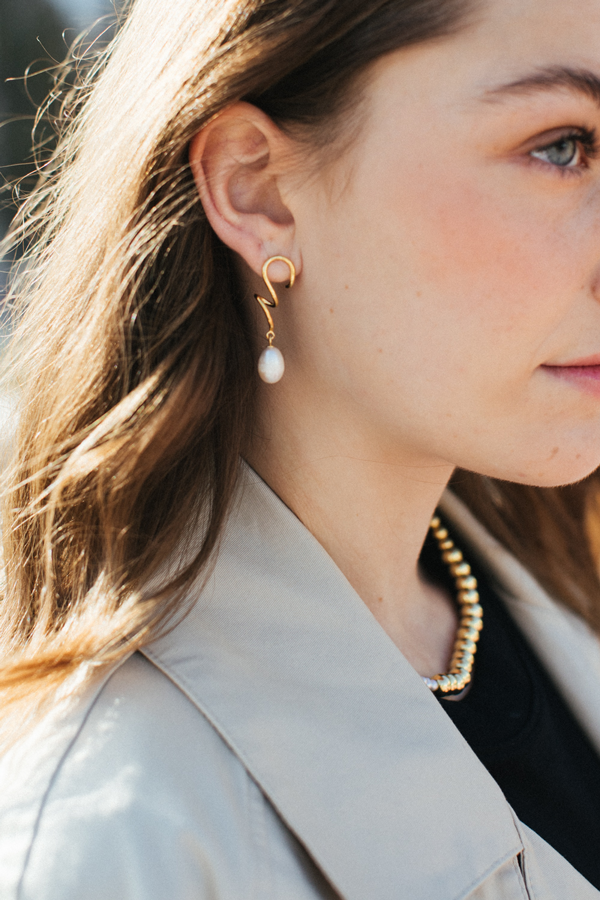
x=265, y=678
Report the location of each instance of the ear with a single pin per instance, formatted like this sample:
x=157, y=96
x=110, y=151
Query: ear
x=239, y=162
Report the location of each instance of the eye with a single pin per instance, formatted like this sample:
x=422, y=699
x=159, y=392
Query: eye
x=564, y=152
x=571, y=151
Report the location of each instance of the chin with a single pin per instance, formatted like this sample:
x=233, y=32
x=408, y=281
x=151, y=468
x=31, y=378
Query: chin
x=562, y=460
x=563, y=473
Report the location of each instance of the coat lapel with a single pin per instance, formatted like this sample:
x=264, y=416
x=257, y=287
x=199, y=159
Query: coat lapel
x=567, y=647
x=362, y=764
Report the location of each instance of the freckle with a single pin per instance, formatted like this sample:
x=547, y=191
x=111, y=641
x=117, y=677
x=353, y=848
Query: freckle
x=346, y=287
x=380, y=599
x=379, y=350
x=331, y=309
x=554, y=452
x=578, y=456
x=419, y=293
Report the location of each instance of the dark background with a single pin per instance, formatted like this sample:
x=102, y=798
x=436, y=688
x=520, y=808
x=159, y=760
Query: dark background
x=34, y=34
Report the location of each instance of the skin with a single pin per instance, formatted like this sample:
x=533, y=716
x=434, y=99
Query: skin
x=446, y=266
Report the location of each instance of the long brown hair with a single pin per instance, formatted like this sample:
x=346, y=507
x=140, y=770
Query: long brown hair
x=133, y=357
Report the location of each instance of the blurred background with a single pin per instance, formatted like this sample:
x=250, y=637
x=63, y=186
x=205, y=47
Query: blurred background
x=33, y=34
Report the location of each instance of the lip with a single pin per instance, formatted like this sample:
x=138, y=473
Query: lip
x=582, y=362
x=582, y=373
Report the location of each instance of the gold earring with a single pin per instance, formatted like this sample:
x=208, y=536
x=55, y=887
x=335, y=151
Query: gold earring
x=271, y=365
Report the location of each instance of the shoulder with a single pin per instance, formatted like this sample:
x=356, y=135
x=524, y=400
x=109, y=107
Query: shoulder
x=133, y=794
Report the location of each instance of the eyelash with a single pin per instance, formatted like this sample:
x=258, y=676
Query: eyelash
x=587, y=140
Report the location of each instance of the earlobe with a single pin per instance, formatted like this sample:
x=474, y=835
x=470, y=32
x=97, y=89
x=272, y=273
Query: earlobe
x=238, y=162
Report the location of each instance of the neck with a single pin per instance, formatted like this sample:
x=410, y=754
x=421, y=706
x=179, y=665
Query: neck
x=369, y=505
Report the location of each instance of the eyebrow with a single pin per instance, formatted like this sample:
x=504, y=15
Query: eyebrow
x=579, y=81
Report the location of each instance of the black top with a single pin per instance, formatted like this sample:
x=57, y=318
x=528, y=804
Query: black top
x=521, y=729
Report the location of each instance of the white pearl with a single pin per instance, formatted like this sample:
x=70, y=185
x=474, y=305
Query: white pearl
x=271, y=365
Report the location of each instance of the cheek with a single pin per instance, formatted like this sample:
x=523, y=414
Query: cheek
x=456, y=293
x=502, y=267
x=443, y=283
x=506, y=262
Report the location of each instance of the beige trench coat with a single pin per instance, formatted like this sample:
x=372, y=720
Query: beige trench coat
x=277, y=746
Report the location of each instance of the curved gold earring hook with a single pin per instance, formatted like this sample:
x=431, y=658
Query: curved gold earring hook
x=273, y=301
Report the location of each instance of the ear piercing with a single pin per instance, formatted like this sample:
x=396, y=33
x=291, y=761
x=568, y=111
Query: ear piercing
x=271, y=365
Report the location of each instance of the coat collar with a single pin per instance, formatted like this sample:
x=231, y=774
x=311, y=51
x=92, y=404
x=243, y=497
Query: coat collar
x=341, y=734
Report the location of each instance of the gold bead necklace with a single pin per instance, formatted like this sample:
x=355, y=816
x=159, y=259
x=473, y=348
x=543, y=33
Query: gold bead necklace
x=471, y=617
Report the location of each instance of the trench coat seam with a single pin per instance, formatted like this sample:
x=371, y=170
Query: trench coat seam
x=521, y=877
x=530, y=878
x=527, y=878
x=477, y=882
x=259, y=837
x=60, y=763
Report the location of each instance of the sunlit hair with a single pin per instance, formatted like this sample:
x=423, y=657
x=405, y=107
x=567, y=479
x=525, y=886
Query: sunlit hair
x=134, y=359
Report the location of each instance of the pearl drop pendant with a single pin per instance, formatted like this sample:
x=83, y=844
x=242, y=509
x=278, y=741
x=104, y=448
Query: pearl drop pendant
x=271, y=365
